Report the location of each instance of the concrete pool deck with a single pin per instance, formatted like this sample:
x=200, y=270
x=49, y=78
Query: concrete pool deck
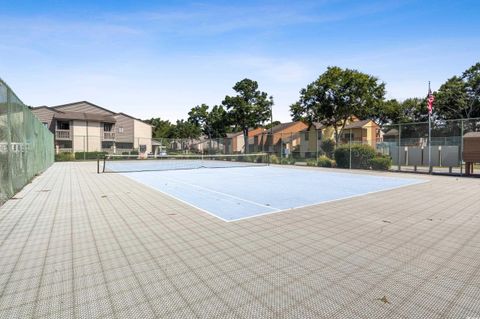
x=75, y=244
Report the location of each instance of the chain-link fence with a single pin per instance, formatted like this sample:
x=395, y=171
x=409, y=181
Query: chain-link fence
x=409, y=147
x=26, y=145
x=403, y=147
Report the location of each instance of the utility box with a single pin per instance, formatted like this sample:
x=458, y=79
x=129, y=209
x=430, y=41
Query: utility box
x=471, y=150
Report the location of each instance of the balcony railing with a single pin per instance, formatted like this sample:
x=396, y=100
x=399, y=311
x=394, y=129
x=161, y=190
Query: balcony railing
x=108, y=135
x=62, y=134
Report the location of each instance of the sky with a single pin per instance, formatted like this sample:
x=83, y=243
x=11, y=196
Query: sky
x=161, y=58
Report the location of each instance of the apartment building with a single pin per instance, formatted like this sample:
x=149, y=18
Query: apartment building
x=84, y=126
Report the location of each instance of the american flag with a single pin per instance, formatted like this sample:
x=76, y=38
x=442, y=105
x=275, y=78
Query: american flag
x=430, y=99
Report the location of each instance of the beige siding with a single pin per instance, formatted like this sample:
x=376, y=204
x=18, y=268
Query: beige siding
x=86, y=136
x=125, y=124
x=79, y=131
x=142, y=135
x=45, y=116
x=94, y=136
x=83, y=107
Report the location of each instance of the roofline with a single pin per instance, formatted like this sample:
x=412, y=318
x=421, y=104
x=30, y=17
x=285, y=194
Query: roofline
x=133, y=118
x=73, y=103
x=287, y=125
x=44, y=107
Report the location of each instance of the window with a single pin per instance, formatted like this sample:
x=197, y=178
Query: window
x=107, y=127
x=124, y=145
x=45, y=124
x=120, y=129
x=307, y=135
x=107, y=144
x=63, y=125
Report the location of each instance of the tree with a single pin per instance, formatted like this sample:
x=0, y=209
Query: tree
x=161, y=128
x=459, y=97
x=389, y=112
x=214, y=124
x=185, y=129
x=336, y=96
x=249, y=108
x=413, y=110
x=273, y=124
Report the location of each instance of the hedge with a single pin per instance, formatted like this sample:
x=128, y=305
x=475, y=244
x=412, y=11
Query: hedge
x=64, y=156
x=274, y=159
x=361, y=155
x=89, y=155
x=381, y=163
x=328, y=146
x=324, y=161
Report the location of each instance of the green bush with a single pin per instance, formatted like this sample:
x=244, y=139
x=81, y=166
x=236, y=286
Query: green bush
x=381, y=163
x=64, y=156
x=134, y=152
x=89, y=155
x=328, y=146
x=361, y=155
x=274, y=159
x=311, y=162
x=288, y=161
x=324, y=161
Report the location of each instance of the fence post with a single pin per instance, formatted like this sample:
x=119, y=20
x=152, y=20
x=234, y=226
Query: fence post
x=461, y=147
x=399, y=145
x=350, y=148
x=10, y=190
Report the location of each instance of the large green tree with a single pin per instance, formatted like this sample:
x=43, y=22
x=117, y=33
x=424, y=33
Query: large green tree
x=161, y=128
x=337, y=95
x=214, y=124
x=249, y=108
x=459, y=96
x=186, y=129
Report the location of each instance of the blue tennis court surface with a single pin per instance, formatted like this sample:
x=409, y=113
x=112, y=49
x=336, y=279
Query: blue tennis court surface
x=237, y=193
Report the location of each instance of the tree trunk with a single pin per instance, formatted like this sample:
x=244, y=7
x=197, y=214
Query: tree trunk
x=245, y=139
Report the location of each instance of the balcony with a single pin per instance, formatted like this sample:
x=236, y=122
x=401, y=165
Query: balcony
x=62, y=134
x=108, y=136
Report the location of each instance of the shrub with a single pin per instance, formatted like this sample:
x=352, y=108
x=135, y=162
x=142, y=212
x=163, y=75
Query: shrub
x=381, y=163
x=324, y=161
x=88, y=155
x=274, y=159
x=134, y=152
x=288, y=161
x=328, y=146
x=64, y=156
x=361, y=155
x=311, y=162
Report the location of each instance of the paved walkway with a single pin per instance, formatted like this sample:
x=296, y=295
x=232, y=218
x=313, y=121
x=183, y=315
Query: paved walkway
x=74, y=244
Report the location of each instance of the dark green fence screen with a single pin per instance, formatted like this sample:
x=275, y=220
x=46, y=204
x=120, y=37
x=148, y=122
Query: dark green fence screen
x=26, y=145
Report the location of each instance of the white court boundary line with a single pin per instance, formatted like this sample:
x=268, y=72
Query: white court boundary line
x=278, y=210
x=225, y=194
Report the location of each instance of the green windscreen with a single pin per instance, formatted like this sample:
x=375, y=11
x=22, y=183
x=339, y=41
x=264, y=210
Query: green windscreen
x=26, y=145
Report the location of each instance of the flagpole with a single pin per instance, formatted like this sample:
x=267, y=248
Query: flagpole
x=429, y=135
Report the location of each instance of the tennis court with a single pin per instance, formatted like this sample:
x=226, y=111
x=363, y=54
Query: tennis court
x=242, y=189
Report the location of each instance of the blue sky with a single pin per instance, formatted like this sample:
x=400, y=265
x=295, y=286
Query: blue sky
x=161, y=58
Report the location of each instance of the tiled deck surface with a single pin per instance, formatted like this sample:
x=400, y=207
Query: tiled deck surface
x=75, y=244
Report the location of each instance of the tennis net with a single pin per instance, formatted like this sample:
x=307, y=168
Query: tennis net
x=134, y=163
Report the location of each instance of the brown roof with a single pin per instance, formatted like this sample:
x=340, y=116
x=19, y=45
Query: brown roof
x=357, y=124
x=281, y=127
x=316, y=125
x=84, y=117
x=79, y=102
